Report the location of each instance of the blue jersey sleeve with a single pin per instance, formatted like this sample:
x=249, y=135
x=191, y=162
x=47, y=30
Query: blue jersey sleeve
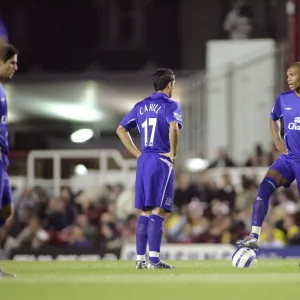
x=276, y=112
x=129, y=121
x=174, y=114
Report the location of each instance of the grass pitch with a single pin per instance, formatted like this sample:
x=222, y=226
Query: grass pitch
x=110, y=280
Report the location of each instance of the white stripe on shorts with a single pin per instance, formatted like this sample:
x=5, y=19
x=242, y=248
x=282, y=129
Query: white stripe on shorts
x=170, y=165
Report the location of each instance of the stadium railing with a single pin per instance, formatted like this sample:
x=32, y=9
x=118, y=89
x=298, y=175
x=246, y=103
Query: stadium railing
x=124, y=173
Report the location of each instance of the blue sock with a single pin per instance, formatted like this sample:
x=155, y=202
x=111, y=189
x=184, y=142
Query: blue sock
x=261, y=205
x=155, y=231
x=141, y=237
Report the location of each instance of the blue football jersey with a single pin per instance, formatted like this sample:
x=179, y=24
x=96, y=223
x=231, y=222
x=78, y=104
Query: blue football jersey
x=3, y=122
x=287, y=106
x=152, y=117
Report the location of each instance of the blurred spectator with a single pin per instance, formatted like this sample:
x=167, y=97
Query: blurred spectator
x=56, y=215
x=185, y=190
x=124, y=204
x=272, y=154
x=258, y=158
x=128, y=229
x=271, y=237
x=238, y=22
x=290, y=226
x=73, y=236
x=206, y=211
x=89, y=231
x=222, y=160
x=227, y=193
x=207, y=188
x=247, y=195
x=25, y=202
x=67, y=197
x=108, y=229
x=32, y=236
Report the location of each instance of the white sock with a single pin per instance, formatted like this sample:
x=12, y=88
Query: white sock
x=141, y=257
x=256, y=230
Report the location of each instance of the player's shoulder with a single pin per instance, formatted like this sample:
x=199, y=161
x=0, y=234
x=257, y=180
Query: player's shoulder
x=285, y=94
x=172, y=103
x=142, y=102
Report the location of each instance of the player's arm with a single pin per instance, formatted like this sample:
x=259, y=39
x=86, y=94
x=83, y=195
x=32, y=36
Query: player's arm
x=174, y=118
x=276, y=127
x=278, y=141
x=276, y=130
x=127, y=141
x=174, y=138
x=128, y=123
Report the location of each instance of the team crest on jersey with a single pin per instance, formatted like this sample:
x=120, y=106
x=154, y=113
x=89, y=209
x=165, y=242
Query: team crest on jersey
x=295, y=125
x=3, y=99
x=177, y=116
x=297, y=120
x=169, y=201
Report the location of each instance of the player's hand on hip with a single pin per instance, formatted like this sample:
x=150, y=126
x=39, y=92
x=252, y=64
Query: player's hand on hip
x=168, y=155
x=281, y=147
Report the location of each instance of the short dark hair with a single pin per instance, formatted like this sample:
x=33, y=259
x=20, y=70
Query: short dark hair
x=161, y=78
x=7, y=52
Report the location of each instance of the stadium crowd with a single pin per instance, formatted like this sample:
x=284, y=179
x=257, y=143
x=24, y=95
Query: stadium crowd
x=204, y=212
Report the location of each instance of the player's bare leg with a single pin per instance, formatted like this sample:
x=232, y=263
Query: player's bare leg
x=5, y=213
